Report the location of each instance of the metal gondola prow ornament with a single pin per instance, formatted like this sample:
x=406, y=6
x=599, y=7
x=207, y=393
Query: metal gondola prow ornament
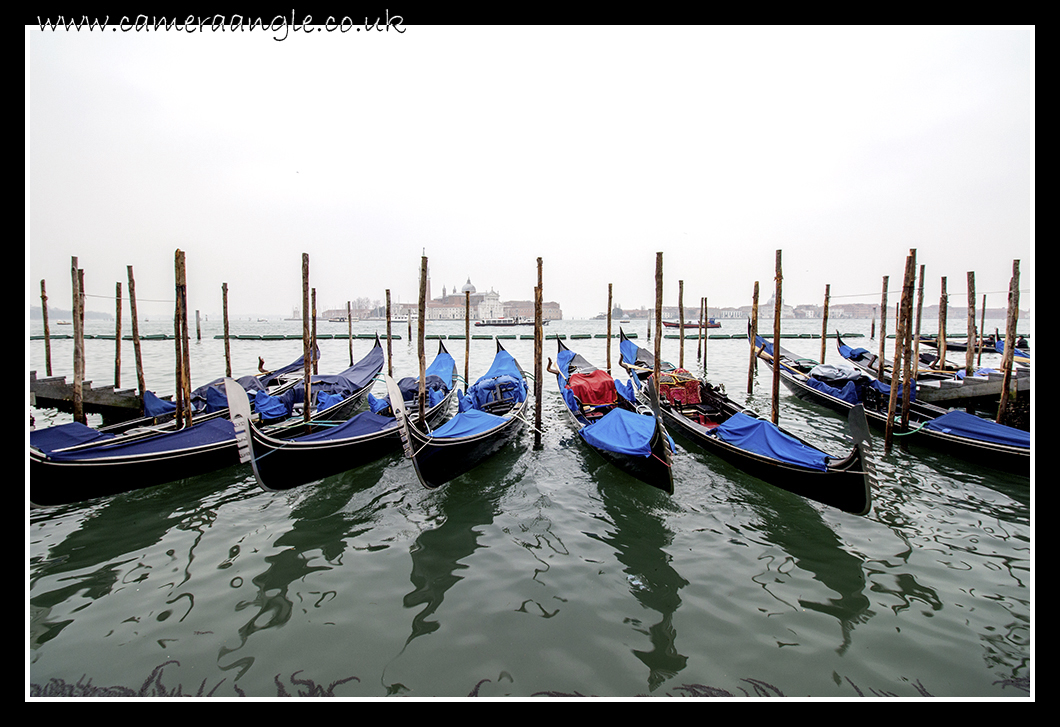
x=397, y=404
x=239, y=414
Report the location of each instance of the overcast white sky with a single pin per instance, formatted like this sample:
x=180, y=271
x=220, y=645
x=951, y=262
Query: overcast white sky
x=593, y=148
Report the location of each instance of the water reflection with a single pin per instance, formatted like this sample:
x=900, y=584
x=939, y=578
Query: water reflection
x=104, y=550
x=640, y=539
x=319, y=524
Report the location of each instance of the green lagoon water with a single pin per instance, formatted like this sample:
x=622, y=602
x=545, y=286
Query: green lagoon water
x=543, y=573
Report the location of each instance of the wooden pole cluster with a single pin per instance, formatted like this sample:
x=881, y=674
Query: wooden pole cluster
x=76, y=286
x=753, y=363
x=141, y=385
x=1010, y=342
x=539, y=345
x=181, y=334
x=307, y=342
x=901, y=346
x=777, y=309
x=47, y=333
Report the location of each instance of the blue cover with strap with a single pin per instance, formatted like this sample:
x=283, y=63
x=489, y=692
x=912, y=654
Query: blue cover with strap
x=764, y=438
x=849, y=392
x=467, y=423
x=65, y=435
x=357, y=426
x=211, y=431
x=963, y=424
x=621, y=431
x=155, y=407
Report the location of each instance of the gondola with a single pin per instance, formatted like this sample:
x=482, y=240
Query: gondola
x=321, y=450
x=489, y=415
x=606, y=415
x=72, y=462
x=709, y=323
x=956, y=432
x=869, y=362
x=703, y=414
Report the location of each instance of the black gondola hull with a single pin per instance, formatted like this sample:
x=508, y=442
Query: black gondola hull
x=440, y=461
x=61, y=483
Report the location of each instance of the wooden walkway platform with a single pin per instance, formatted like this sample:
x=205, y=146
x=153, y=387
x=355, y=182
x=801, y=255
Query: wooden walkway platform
x=55, y=393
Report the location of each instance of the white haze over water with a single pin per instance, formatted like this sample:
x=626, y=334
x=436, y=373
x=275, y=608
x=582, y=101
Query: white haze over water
x=488, y=147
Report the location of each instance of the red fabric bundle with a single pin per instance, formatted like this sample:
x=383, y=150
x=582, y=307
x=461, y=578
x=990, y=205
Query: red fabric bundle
x=595, y=388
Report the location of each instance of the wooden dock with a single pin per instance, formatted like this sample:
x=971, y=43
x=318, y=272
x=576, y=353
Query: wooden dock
x=952, y=392
x=114, y=405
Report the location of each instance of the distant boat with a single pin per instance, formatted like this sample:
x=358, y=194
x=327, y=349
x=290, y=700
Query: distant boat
x=709, y=323
x=507, y=321
x=342, y=319
x=62, y=323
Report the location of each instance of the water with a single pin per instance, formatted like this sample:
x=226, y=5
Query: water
x=541, y=573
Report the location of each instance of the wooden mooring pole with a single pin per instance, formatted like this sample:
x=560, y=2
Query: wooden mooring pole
x=419, y=337
x=389, y=348
x=47, y=333
x=224, y=320
x=699, y=340
x=76, y=281
x=539, y=345
x=307, y=350
x=777, y=310
x=117, y=336
x=681, y=322
x=969, y=352
x=180, y=333
x=910, y=356
x=919, y=314
x=609, y=328
x=883, y=328
x=467, y=337
x=658, y=317
x=943, y=304
x=141, y=385
x=349, y=330
x=752, y=365
x=824, y=321
x=313, y=340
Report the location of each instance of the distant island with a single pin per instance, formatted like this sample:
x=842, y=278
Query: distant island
x=59, y=314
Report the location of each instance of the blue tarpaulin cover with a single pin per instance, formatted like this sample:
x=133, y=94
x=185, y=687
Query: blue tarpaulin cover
x=762, y=437
x=621, y=431
x=849, y=392
x=963, y=424
x=364, y=423
x=155, y=407
x=65, y=435
x=210, y=431
x=469, y=422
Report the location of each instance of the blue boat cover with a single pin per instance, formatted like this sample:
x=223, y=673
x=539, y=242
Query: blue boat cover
x=856, y=353
x=963, y=424
x=467, y=423
x=65, y=435
x=849, y=392
x=764, y=438
x=343, y=385
x=621, y=431
x=211, y=431
x=886, y=390
x=357, y=426
x=155, y=407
